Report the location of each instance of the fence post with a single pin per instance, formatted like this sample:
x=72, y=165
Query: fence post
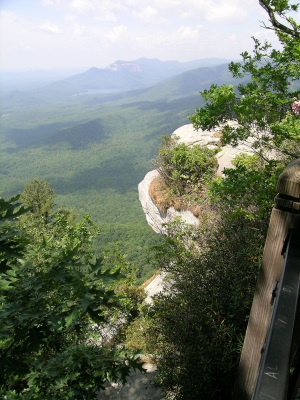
x=285, y=215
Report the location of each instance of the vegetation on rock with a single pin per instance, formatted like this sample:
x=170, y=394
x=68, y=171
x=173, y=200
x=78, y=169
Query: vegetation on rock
x=185, y=169
x=264, y=105
x=199, y=322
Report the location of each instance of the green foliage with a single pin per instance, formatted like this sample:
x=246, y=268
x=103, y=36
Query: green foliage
x=280, y=13
x=95, y=149
x=134, y=240
x=76, y=373
x=184, y=168
x=220, y=98
x=55, y=301
x=248, y=188
x=38, y=196
x=96, y=167
x=139, y=335
x=11, y=242
x=263, y=105
x=199, y=323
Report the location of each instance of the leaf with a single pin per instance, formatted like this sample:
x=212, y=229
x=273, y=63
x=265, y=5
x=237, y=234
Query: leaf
x=5, y=285
x=96, y=316
x=71, y=317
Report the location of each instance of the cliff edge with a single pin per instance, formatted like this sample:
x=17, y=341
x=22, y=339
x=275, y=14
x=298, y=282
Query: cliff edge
x=155, y=217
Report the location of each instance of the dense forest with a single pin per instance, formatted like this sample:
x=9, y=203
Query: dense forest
x=71, y=308
x=95, y=149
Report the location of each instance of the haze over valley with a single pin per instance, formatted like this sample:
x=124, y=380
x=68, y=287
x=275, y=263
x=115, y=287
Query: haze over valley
x=148, y=153
x=94, y=148
x=88, y=88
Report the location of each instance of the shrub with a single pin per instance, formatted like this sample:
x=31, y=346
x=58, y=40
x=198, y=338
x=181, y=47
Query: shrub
x=185, y=169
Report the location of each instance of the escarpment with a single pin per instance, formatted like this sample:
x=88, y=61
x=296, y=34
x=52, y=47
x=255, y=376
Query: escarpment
x=157, y=214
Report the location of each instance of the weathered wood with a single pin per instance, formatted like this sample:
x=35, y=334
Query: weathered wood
x=284, y=217
x=274, y=374
x=289, y=181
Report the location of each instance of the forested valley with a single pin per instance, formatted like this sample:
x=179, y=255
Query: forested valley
x=95, y=149
x=75, y=243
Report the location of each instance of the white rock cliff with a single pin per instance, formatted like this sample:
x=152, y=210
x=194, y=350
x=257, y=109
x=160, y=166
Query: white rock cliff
x=188, y=135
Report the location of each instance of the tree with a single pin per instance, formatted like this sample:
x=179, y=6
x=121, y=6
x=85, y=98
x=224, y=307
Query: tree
x=11, y=243
x=249, y=187
x=56, y=297
x=39, y=196
x=277, y=9
x=199, y=322
x=263, y=107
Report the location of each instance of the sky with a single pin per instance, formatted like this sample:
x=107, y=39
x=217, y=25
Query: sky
x=55, y=34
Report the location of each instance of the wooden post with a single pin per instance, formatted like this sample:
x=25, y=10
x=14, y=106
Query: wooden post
x=285, y=215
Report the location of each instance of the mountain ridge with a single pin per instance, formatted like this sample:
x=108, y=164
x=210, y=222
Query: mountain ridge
x=125, y=75
x=121, y=76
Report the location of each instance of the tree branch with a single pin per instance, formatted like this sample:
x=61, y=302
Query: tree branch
x=276, y=24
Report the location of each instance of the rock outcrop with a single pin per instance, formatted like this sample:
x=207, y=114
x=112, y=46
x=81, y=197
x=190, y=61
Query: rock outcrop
x=186, y=134
x=155, y=217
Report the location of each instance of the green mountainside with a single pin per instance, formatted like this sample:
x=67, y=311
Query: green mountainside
x=94, y=150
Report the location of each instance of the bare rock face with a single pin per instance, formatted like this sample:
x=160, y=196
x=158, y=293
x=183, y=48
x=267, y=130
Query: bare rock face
x=155, y=217
x=121, y=66
x=156, y=286
x=188, y=135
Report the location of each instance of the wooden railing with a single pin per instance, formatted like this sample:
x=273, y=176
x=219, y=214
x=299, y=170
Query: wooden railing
x=272, y=335
x=279, y=367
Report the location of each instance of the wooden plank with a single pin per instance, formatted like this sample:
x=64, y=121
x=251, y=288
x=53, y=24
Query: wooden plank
x=273, y=379
x=289, y=180
x=272, y=264
x=286, y=216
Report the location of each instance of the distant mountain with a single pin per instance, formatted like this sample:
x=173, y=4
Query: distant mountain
x=125, y=75
x=124, y=66
x=191, y=82
x=143, y=79
x=186, y=84
x=178, y=97
x=162, y=69
x=98, y=80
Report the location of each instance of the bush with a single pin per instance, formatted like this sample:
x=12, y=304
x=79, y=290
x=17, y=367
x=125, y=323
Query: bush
x=185, y=169
x=200, y=322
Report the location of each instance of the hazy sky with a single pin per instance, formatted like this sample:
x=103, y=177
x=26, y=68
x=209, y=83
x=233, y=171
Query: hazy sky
x=47, y=34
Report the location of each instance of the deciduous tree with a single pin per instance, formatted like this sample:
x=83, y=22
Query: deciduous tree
x=56, y=299
x=263, y=105
x=39, y=196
